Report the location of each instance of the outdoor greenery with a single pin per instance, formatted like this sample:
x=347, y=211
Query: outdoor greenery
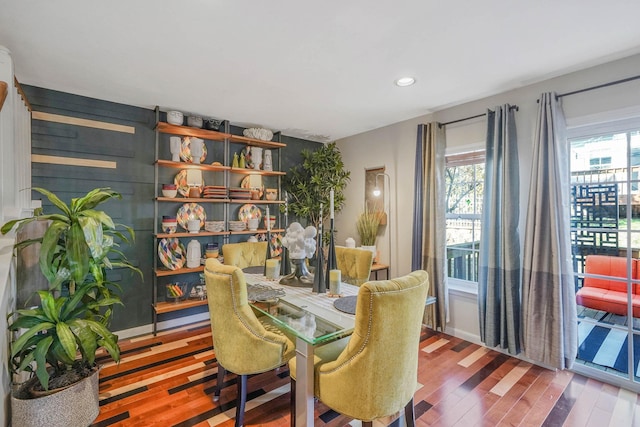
x=73, y=318
x=461, y=183
x=309, y=184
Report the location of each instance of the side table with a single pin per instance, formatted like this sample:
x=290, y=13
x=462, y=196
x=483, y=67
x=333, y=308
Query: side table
x=376, y=268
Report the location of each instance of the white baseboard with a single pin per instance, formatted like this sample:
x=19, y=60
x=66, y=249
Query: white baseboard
x=458, y=333
x=167, y=324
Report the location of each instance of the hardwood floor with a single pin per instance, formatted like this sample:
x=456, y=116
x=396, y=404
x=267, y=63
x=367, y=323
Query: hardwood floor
x=168, y=380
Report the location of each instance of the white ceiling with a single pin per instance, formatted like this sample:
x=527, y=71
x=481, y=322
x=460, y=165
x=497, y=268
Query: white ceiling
x=319, y=70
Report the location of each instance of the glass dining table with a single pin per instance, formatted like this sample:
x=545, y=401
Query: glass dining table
x=309, y=317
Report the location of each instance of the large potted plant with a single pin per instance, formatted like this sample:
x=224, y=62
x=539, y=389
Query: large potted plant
x=58, y=340
x=310, y=183
x=367, y=225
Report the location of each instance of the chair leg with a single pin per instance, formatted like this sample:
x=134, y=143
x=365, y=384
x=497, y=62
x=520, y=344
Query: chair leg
x=221, y=372
x=293, y=403
x=367, y=423
x=242, y=400
x=409, y=414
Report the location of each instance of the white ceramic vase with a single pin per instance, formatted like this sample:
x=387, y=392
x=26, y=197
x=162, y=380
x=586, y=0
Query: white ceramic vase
x=175, y=144
x=267, y=165
x=194, y=252
x=197, y=149
x=256, y=157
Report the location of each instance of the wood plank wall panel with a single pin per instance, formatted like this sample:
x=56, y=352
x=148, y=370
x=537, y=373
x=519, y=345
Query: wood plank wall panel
x=128, y=143
x=133, y=154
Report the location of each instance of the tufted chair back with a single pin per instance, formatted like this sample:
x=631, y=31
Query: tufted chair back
x=354, y=264
x=245, y=254
x=241, y=342
x=377, y=373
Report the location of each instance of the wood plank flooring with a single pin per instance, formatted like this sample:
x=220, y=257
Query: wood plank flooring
x=168, y=380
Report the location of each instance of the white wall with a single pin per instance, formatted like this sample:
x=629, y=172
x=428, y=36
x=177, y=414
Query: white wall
x=394, y=147
x=15, y=175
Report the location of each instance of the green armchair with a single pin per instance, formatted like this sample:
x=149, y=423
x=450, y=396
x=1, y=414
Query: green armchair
x=245, y=254
x=242, y=344
x=376, y=374
x=354, y=264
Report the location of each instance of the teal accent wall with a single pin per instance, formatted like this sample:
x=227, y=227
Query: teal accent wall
x=133, y=177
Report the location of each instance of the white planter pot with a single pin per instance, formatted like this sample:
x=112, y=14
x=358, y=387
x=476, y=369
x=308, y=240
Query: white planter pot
x=74, y=406
x=372, y=249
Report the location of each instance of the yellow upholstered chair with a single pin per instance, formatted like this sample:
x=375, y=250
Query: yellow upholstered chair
x=242, y=343
x=354, y=264
x=376, y=374
x=245, y=254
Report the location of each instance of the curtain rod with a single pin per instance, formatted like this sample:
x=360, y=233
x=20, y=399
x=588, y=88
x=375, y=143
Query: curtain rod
x=628, y=79
x=513, y=107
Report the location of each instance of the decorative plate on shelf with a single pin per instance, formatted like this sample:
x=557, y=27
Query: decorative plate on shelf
x=185, y=151
x=276, y=242
x=191, y=211
x=249, y=211
x=182, y=182
x=172, y=253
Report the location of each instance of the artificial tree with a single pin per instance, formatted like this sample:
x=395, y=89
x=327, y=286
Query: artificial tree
x=308, y=185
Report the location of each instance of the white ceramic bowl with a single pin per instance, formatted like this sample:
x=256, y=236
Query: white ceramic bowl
x=175, y=117
x=169, y=227
x=170, y=193
x=237, y=225
x=214, y=226
x=258, y=133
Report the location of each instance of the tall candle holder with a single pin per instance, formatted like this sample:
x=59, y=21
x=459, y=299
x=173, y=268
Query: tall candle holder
x=332, y=263
x=319, y=285
x=285, y=262
x=268, y=255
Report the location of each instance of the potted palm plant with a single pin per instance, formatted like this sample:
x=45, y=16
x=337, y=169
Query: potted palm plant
x=59, y=339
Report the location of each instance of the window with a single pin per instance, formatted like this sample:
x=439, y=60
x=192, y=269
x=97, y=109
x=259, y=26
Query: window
x=464, y=180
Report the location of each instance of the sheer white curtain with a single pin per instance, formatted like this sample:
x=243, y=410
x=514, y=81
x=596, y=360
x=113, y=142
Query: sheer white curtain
x=499, y=263
x=550, y=329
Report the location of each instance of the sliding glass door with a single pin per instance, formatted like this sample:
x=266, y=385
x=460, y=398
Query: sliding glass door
x=605, y=235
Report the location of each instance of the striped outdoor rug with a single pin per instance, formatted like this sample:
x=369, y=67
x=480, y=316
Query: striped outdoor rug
x=607, y=347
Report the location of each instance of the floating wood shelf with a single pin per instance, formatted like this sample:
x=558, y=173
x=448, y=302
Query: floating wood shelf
x=160, y=272
x=184, y=165
x=167, y=307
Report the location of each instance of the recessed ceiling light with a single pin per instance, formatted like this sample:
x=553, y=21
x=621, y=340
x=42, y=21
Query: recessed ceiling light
x=405, y=81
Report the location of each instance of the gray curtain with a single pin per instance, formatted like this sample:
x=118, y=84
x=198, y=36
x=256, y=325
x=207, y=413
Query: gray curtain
x=499, y=264
x=429, y=227
x=550, y=329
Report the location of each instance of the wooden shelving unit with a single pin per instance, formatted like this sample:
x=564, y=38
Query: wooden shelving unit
x=210, y=137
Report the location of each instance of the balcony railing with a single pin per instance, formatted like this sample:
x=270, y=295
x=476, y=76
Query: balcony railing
x=462, y=261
